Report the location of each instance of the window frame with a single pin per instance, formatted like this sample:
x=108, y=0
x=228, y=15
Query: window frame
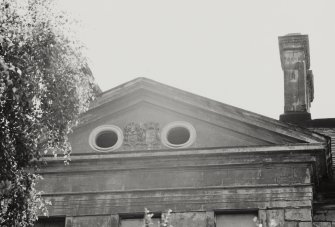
x=101, y=129
x=175, y=124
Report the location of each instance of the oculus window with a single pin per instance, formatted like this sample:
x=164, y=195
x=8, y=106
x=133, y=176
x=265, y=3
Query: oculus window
x=106, y=138
x=178, y=134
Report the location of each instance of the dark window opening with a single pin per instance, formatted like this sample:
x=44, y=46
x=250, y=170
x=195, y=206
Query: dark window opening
x=106, y=139
x=50, y=222
x=178, y=135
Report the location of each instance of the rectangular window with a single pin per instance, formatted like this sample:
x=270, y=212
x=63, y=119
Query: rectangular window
x=50, y=222
x=236, y=219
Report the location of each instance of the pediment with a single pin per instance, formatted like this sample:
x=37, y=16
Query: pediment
x=143, y=109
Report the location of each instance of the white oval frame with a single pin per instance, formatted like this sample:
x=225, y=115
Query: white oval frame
x=174, y=124
x=103, y=128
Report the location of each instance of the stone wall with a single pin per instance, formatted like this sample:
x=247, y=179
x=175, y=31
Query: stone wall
x=290, y=217
x=199, y=181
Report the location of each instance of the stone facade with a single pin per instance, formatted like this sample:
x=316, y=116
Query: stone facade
x=238, y=163
x=148, y=145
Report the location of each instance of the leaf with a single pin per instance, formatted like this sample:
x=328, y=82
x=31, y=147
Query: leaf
x=42, y=92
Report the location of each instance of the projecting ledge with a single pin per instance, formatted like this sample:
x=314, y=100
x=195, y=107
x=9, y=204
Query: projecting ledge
x=303, y=147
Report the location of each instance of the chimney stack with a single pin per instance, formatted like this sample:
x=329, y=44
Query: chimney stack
x=298, y=79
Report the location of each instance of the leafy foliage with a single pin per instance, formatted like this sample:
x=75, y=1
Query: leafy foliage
x=45, y=84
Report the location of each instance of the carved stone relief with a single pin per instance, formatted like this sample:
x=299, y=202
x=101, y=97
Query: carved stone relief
x=141, y=136
x=152, y=134
x=134, y=135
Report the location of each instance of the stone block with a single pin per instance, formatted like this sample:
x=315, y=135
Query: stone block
x=210, y=219
x=114, y=221
x=298, y=214
x=262, y=217
x=305, y=224
x=322, y=224
x=275, y=218
x=291, y=224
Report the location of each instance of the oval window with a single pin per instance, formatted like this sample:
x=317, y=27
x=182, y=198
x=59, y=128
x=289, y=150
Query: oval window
x=178, y=134
x=106, y=138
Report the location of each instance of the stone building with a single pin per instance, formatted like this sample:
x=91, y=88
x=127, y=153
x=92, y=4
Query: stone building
x=144, y=144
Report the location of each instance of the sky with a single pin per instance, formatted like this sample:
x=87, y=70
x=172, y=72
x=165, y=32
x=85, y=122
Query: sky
x=223, y=50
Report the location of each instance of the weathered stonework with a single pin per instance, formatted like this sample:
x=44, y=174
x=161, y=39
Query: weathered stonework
x=291, y=224
x=298, y=214
x=240, y=163
x=138, y=136
x=91, y=221
x=275, y=218
x=298, y=79
x=305, y=224
x=287, y=217
x=322, y=224
x=324, y=215
x=194, y=219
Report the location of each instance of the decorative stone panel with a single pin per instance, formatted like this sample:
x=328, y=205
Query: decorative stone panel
x=141, y=135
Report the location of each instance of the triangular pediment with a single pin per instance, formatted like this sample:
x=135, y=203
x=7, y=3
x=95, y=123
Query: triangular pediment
x=142, y=102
